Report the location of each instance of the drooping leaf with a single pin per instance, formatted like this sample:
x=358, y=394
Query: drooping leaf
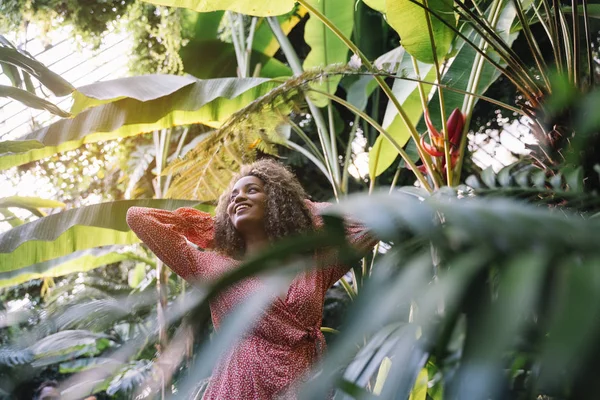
x=326, y=47
x=77, y=229
x=410, y=21
x=31, y=100
x=129, y=377
x=78, y=261
x=10, y=217
x=188, y=101
x=83, y=364
x=51, y=80
x=32, y=204
x=66, y=345
x=259, y=8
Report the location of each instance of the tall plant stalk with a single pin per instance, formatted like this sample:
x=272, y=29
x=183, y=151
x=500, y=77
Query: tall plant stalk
x=322, y=129
x=474, y=78
x=380, y=81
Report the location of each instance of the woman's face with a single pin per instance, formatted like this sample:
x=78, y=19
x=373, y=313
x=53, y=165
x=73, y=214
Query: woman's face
x=247, y=205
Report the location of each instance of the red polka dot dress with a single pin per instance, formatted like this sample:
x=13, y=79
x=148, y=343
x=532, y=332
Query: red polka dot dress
x=287, y=339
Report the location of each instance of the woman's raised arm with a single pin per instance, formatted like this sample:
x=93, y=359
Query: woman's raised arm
x=356, y=233
x=168, y=233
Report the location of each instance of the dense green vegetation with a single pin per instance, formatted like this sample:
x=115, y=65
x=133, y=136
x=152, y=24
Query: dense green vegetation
x=484, y=283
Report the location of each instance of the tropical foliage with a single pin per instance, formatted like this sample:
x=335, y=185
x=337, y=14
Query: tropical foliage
x=463, y=298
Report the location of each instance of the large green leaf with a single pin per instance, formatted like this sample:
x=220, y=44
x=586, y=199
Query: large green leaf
x=78, y=261
x=378, y=5
x=326, y=47
x=218, y=60
x=33, y=204
x=410, y=21
x=459, y=71
x=131, y=106
x=264, y=40
x=383, y=153
x=260, y=8
x=73, y=230
x=51, y=80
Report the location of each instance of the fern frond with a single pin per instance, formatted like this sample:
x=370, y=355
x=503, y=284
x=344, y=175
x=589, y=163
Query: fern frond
x=205, y=171
x=12, y=357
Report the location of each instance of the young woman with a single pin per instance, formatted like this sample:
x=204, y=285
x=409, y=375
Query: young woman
x=264, y=202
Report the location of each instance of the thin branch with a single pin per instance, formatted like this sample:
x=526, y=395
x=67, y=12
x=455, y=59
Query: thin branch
x=375, y=125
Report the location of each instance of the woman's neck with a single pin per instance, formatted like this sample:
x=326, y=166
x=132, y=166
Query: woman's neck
x=256, y=244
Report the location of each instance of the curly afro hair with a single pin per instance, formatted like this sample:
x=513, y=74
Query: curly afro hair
x=286, y=211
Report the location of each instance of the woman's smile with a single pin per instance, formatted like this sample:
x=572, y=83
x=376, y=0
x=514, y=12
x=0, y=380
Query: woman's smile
x=247, y=205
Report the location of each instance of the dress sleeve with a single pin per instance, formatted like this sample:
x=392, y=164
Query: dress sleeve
x=356, y=233
x=167, y=233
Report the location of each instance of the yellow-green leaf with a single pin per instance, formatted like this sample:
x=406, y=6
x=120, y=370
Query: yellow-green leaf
x=259, y=8
x=325, y=47
x=134, y=108
x=378, y=5
x=410, y=21
x=33, y=204
x=419, y=391
x=60, y=234
x=79, y=261
x=382, y=373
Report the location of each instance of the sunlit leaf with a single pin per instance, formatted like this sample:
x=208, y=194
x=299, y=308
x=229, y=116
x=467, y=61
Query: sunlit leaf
x=137, y=105
x=50, y=79
x=78, y=261
x=32, y=204
x=31, y=100
x=77, y=229
x=326, y=47
x=378, y=5
x=410, y=21
x=261, y=8
x=382, y=374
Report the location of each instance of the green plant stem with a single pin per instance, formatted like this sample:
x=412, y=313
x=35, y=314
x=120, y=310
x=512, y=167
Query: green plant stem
x=556, y=26
x=483, y=28
x=175, y=155
x=332, y=142
x=566, y=35
x=532, y=43
x=314, y=149
x=438, y=75
x=249, y=41
x=329, y=330
x=588, y=43
x=237, y=46
x=294, y=62
x=348, y=156
x=365, y=61
x=576, y=41
x=469, y=101
x=375, y=125
x=351, y=291
x=311, y=157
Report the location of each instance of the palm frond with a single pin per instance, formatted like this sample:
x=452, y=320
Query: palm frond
x=206, y=170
